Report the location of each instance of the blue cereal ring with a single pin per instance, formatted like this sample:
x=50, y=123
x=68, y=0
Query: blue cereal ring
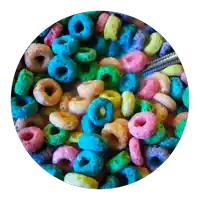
x=95, y=108
x=100, y=45
x=92, y=142
x=128, y=82
x=23, y=106
x=110, y=182
x=80, y=26
x=177, y=88
x=155, y=157
x=63, y=69
x=54, y=171
x=45, y=32
x=169, y=143
x=149, y=29
x=114, y=50
x=165, y=49
x=88, y=163
x=87, y=126
x=125, y=40
x=129, y=175
x=129, y=28
x=65, y=45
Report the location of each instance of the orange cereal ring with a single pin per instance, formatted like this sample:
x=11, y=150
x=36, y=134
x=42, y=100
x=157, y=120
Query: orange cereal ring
x=178, y=118
x=111, y=61
x=66, y=97
x=160, y=111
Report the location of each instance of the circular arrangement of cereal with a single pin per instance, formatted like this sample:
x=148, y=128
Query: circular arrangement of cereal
x=83, y=111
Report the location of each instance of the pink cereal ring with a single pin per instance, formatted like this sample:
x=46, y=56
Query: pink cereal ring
x=166, y=100
x=101, y=22
x=32, y=138
x=134, y=61
x=149, y=88
x=142, y=125
x=64, y=157
x=183, y=78
x=135, y=152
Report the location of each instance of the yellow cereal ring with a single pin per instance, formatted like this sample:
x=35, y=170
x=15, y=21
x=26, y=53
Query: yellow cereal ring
x=74, y=136
x=47, y=110
x=173, y=70
x=112, y=28
x=80, y=180
x=113, y=96
x=128, y=103
x=154, y=44
x=160, y=111
x=143, y=171
x=66, y=97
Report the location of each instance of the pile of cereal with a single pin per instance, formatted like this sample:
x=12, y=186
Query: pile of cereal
x=81, y=108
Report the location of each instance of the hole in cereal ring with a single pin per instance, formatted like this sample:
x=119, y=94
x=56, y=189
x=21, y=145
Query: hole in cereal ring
x=155, y=161
x=21, y=102
x=93, y=41
x=106, y=77
x=85, y=68
x=140, y=122
x=62, y=42
x=61, y=71
x=49, y=91
x=113, y=140
x=63, y=163
x=129, y=59
x=40, y=59
x=27, y=136
x=79, y=27
x=123, y=180
x=84, y=162
x=101, y=112
x=54, y=130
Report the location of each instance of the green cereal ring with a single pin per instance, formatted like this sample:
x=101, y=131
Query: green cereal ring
x=88, y=71
x=118, y=162
x=112, y=28
x=85, y=55
x=143, y=106
x=185, y=97
x=64, y=21
x=53, y=170
x=55, y=136
x=110, y=75
x=160, y=134
x=180, y=128
x=24, y=82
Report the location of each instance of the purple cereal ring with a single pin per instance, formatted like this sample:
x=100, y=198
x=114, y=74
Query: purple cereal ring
x=135, y=152
x=142, y=125
x=183, y=78
x=134, y=61
x=64, y=157
x=101, y=22
x=32, y=138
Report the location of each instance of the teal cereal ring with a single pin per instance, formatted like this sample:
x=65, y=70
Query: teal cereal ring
x=55, y=136
x=112, y=28
x=185, y=97
x=24, y=82
x=88, y=71
x=160, y=134
x=118, y=162
x=180, y=128
x=143, y=106
x=85, y=55
x=53, y=170
x=111, y=182
x=110, y=75
x=169, y=143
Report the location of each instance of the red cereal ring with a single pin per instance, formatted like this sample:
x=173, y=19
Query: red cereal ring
x=101, y=22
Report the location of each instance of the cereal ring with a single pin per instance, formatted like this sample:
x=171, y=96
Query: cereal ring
x=184, y=78
x=123, y=122
x=101, y=22
x=185, y=97
x=128, y=82
x=112, y=27
x=87, y=126
x=165, y=48
x=74, y=137
x=134, y=61
x=64, y=120
x=155, y=157
x=124, y=17
x=108, y=74
x=63, y=157
x=165, y=100
x=118, y=162
x=130, y=175
x=37, y=57
x=80, y=26
x=148, y=89
x=110, y=182
x=53, y=170
x=163, y=80
x=117, y=114
x=85, y=55
x=113, y=96
x=47, y=110
x=135, y=152
x=54, y=33
x=32, y=138
x=173, y=70
x=35, y=120
x=143, y=106
x=169, y=143
x=63, y=69
x=125, y=40
x=97, y=105
x=55, y=136
x=160, y=111
x=66, y=97
x=90, y=88
x=24, y=82
x=80, y=180
x=137, y=22
x=142, y=125
x=128, y=103
x=116, y=135
x=88, y=71
x=149, y=29
x=45, y=32
x=179, y=117
x=65, y=45
x=88, y=163
x=92, y=142
x=160, y=134
x=114, y=50
x=180, y=128
x=154, y=43
x=47, y=92
x=78, y=105
x=111, y=61
x=23, y=106
x=100, y=45
x=143, y=171
x=176, y=89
